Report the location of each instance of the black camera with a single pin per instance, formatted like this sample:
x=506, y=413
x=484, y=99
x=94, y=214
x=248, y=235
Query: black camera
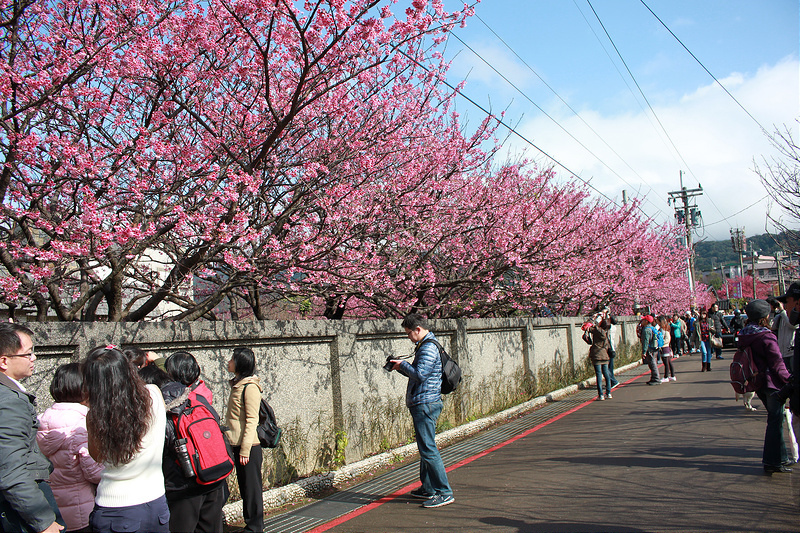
x=389, y=365
x=183, y=457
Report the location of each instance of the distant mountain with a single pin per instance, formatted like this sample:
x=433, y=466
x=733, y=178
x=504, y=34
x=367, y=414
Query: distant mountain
x=714, y=253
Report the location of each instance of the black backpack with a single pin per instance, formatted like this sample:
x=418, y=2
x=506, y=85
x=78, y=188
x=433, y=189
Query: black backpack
x=451, y=372
x=269, y=434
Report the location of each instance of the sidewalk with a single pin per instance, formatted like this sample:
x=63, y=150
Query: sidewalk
x=681, y=456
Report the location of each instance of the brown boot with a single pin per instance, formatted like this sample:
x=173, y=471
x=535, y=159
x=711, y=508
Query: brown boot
x=703, y=369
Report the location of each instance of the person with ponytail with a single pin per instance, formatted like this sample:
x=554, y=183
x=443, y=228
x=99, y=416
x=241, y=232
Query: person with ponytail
x=126, y=424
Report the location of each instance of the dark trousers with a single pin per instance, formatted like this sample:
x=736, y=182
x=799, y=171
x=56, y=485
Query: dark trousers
x=152, y=516
x=669, y=371
x=775, y=452
x=251, y=489
x=10, y=520
x=612, y=354
x=201, y=512
x=651, y=358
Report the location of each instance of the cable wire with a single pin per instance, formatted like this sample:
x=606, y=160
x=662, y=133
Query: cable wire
x=647, y=101
x=522, y=137
x=704, y=68
x=550, y=117
x=641, y=92
x=739, y=212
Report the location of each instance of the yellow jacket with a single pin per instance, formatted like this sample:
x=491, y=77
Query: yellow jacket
x=242, y=419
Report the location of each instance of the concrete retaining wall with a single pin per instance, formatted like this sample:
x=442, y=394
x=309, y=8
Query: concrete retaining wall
x=325, y=377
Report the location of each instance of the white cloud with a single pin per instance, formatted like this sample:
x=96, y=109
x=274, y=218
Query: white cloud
x=477, y=72
x=716, y=139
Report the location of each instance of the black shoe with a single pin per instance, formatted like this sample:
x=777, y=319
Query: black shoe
x=720, y=357
x=771, y=469
x=654, y=382
x=420, y=494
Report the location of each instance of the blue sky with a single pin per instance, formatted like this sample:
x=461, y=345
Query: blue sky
x=599, y=125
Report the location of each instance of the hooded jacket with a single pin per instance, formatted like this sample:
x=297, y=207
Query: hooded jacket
x=766, y=354
x=424, y=373
x=598, y=351
x=63, y=439
x=176, y=484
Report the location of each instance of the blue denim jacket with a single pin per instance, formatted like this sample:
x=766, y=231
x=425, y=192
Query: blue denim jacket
x=424, y=373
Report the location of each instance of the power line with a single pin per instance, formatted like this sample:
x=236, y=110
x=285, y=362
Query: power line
x=562, y=100
x=645, y=97
x=518, y=134
x=726, y=92
x=739, y=212
x=637, y=85
x=704, y=68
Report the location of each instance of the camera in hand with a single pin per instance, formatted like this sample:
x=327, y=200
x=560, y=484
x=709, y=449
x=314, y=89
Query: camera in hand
x=389, y=365
x=183, y=457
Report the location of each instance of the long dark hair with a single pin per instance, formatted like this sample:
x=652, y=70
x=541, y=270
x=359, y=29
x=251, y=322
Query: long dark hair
x=119, y=405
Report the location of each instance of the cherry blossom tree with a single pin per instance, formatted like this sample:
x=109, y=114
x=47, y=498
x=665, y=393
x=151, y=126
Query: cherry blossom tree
x=199, y=130
x=163, y=158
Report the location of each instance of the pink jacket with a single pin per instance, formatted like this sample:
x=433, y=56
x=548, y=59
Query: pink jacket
x=62, y=438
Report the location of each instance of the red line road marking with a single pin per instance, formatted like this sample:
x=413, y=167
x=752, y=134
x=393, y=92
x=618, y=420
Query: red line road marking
x=400, y=492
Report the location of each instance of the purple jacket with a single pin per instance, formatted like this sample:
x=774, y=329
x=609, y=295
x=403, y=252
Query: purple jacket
x=766, y=354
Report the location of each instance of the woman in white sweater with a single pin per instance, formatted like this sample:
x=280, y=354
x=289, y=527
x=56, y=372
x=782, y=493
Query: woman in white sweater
x=126, y=424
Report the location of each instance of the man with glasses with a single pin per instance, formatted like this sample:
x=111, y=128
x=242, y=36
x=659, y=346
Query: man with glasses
x=26, y=501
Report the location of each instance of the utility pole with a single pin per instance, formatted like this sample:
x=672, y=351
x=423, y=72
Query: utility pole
x=739, y=242
x=781, y=279
x=689, y=215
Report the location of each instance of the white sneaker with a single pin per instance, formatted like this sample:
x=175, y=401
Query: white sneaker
x=665, y=380
x=673, y=378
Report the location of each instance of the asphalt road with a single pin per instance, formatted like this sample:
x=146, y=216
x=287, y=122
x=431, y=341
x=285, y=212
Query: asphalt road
x=681, y=456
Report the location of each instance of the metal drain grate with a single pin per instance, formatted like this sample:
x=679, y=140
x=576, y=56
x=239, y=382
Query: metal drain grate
x=346, y=501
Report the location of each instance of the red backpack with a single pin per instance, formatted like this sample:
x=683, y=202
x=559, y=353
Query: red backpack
x=206, y=446
x=745, y=376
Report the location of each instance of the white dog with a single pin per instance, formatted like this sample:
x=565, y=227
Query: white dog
x=747, y=397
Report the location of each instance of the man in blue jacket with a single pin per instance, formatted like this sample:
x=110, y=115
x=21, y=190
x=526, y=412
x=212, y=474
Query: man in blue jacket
x=26, y=500
x=424, y=401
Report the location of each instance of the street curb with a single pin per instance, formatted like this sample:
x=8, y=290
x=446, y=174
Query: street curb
x=314, y=485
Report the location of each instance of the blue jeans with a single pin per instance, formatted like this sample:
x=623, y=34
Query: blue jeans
x=611, y=355
x=601, y=370
x=431, y=468
x=774, y=446
x=705, y=351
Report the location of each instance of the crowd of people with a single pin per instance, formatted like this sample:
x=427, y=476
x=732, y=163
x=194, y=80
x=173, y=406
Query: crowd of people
x=768, y=327
x=105, y=455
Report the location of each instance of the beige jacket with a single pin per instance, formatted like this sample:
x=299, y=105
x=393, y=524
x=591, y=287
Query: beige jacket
x=242, y=419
